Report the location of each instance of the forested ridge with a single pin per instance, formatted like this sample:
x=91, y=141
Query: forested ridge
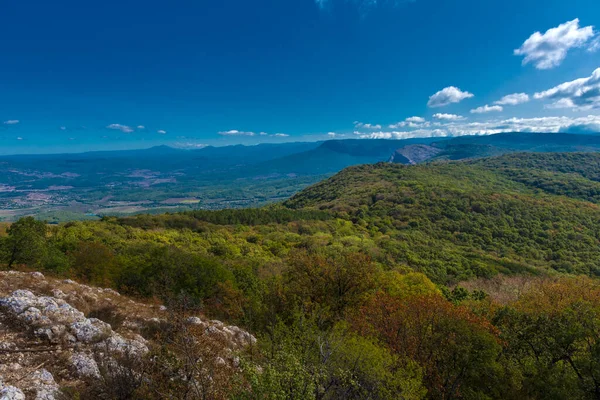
x=448, y=280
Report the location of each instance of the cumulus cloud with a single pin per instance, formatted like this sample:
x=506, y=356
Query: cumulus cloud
x=447, y=96
x=11, y=122
x=141, y=127
x=513, y=99
x=419, y=133
x=281, y=135
x=486, y=109
x=162, y=132
x=449, y=128
x=594, y=45
x=448, y=117
x=235, y=132
x=548, y=50
x=411, y=122
x=582, y=93
x=119, y=127
x=19, y=138
x=366, y=126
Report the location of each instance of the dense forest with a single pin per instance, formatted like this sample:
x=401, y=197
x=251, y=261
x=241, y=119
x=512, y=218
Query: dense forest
x=448, y=280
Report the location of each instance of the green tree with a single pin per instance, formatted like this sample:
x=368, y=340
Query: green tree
x=26, y=242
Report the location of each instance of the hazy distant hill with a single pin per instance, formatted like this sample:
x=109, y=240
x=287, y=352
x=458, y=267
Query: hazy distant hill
x=334, y=155
x=465, y=147
x=62, y=186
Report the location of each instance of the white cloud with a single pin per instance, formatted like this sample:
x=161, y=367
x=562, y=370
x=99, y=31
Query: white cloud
x=11, y=122
x=594, y=45
x=366, y=126
x=141, y=127
x=282, y=135
x=122, y=128
x=513, y=99
x=448, y=117
x=412, y=122
x=565, y=124
x=189, y=145
x=331, y=134
x=235, y=132
x=582, y=93
x=19, y=138
x=363, y=6
x=486, y=109
x=540, y=124
x=162, y=132
x=263, y=134
x=419, y=133
x=63, y=128
x=447, y=96
x=548, y=50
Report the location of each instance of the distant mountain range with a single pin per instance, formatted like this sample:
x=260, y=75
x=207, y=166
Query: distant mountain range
x=164, y=178
x=466, y=147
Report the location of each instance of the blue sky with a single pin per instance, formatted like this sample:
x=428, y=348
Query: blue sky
x=78, y=76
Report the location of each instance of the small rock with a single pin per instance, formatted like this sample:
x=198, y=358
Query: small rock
x=111, y=291
x=44, y=385
x=118, y=344
x=11, y=393
x=90, y=330
x=220, y=361
x=85, y=366
x=37, y=275
x=59, y=294
x=195, y=321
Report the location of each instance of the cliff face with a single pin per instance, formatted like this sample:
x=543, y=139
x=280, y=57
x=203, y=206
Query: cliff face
x=414, y=154
x=59, y=335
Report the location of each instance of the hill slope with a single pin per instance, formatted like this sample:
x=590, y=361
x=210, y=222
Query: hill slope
x=346, y=268
x=532, y=209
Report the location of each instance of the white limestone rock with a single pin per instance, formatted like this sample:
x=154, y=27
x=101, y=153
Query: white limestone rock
x=11, y=393
x=90, y=330
x=85, y=366
x=42, y=382
x=38, y=275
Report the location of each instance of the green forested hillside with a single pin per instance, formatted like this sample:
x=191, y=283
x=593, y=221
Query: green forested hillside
x=445, y=280
x=456, y=220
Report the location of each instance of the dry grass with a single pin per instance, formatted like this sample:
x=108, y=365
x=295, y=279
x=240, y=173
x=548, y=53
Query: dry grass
x=504, y=289
x=3, y=227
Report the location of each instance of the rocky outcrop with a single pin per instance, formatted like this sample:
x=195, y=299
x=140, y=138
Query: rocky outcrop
x=40, y=385
x=414, y=154
x=53, y=318
x=47, y=340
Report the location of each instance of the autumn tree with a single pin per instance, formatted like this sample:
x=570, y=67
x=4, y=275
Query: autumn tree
x=332, y=283
x=553, y=336
x=456, y=349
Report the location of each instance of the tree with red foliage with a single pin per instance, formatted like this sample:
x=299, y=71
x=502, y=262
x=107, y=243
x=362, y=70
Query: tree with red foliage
x=456, y=349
